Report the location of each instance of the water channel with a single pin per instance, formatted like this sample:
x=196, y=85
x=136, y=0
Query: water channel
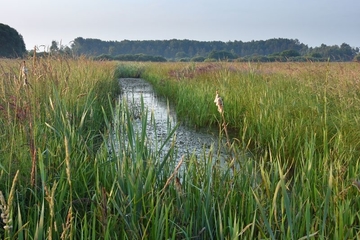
x=163, y=119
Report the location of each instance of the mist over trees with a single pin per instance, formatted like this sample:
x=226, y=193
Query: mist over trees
x=11, y=42
x=277, y=49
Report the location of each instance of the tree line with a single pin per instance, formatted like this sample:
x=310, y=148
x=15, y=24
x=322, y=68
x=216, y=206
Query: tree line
x=277, y=49
x=11, y=42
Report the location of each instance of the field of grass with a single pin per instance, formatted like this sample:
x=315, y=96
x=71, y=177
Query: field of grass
x=51, y=131
x=69, y=169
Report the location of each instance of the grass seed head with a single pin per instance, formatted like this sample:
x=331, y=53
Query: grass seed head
x=219, y=102
x=5, y=212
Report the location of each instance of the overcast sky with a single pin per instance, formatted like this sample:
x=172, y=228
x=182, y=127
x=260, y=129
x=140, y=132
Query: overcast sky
x=312, y=22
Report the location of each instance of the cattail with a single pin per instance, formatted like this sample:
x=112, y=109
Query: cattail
x=24, y=72
x=219, y=102
x=220, y=105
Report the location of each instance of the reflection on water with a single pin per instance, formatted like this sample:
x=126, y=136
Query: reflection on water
x=163, y=119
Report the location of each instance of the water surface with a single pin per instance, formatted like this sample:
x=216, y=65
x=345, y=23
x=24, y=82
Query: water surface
x=162, y=119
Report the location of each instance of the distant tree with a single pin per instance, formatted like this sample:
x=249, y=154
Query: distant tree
x=67, y=51
x=184, y=60
x=179, y=55
x=183, y=49
x=258, y=58
x=335, y=53
x=221, y=55
x=77, y=46
x=316, y=55
x=54, y=48
x=111, y=50
x=290, y=53
x=197, y=59
x=11, y=42
x=346, y=52
x=133, y=57
x=103, y=57
x=357, y=58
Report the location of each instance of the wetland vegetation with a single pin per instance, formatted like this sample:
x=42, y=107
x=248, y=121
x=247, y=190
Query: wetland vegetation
x=62, y=177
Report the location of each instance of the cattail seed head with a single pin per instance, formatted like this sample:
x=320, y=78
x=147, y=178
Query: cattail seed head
x=219, y=102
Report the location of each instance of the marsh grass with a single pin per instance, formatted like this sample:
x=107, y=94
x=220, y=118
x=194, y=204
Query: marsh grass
x=51, y=127
x=96, y=177
x=299, y=120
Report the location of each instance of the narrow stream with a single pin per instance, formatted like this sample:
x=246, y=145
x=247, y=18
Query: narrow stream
x=163, y=119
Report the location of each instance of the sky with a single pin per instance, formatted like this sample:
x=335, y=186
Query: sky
x=312, y=22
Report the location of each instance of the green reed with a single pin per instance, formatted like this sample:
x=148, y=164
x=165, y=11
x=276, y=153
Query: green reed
x=49, y=127
x=300, y=123
x=294, y=147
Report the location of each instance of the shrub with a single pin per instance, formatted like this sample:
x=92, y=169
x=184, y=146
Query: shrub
x=357, y=58
x=197, y=59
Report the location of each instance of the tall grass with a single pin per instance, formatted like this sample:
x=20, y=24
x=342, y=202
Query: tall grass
x=75, y=166
x=300, y=122
x=52, y=128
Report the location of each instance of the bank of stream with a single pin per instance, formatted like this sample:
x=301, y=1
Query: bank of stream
x=162, y=119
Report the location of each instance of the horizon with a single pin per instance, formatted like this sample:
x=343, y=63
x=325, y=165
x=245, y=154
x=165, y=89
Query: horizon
x=312, y=23
x=69, y=45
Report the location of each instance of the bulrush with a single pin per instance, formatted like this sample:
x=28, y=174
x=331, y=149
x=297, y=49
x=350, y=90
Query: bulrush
x=220, y=105
x=219, y=102
x=24, y=72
